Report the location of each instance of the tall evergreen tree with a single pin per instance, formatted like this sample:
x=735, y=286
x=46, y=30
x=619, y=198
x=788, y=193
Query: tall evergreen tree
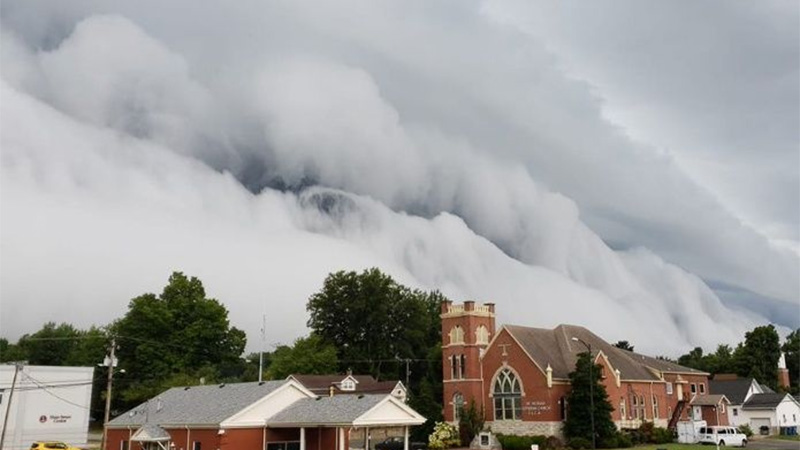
x=579, y=403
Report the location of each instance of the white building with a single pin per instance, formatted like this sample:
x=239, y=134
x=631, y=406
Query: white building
x=48, y=403
x=774, y=411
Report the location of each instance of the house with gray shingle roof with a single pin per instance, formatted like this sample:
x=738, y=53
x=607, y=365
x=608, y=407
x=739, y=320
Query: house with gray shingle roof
x=266, y=415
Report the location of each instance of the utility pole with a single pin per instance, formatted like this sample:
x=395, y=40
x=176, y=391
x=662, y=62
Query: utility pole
x=110, y=362
x=263, y=344
x=408, y=361
x=17, y=367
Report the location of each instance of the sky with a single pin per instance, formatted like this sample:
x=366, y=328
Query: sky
x=628, y=166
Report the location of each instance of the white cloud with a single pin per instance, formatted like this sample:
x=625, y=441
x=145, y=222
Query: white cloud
x=450, y=165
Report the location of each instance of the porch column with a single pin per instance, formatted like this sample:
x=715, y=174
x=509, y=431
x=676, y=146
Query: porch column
x=302, y=438
x=405, y=437
x=341, y=438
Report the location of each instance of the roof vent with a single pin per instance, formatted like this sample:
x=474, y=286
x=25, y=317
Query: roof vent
x=222, y=385
x=186, y=388
x=261, y=383
x=317, y=399
x=360, y=395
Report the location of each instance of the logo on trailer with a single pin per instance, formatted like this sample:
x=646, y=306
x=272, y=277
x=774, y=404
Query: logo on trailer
x=42, y=419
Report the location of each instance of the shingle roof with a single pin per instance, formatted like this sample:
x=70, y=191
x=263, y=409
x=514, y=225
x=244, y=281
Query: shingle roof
x=336, y=410
x=556, y=348
x=735, y=390
x=764, y=401
x=707, y=400
x=197, y=405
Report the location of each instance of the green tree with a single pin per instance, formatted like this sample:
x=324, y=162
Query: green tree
x=624, y=345
x=579, y=403
x=470, y=423
x=308, y=355
x=758, y=356
x=11, y=352
x=179, y=332
x=791, y=348
x=51, y=345
x=694, y=359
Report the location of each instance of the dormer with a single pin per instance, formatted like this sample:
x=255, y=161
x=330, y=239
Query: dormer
x=348, y=384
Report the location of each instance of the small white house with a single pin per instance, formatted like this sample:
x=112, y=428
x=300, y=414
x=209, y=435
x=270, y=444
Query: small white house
x=738, y=391
x=774, y=411
x=48, y=403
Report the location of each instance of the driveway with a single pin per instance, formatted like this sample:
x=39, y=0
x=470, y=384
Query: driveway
x=773, y=444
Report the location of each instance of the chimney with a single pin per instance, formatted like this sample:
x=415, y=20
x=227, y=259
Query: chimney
x=491, y=307
x=783, y=373
x=469, y=305
x=330, y=391
x=446, y=306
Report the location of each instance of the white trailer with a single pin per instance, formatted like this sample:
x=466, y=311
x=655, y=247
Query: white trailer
x=688, y=431
x=48, y=404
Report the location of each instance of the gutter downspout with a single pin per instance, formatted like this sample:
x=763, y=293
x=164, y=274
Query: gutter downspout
x=188, y=432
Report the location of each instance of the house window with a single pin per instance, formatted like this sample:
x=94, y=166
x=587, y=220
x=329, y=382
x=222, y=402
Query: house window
x=507, y=396
x=622, y=409
x=123, y=445
x=196, y=445
x=348, y=385
x=562, y=404
x=693, y=387
x=669, y=388
x=735, y=412
x=655, y=407
x=784, y=418
x=458, y=406
x=722, y=408
x=452, y=367
x=457, y=335
x=482, y=335
x=463, y=367
x=702, y=388
x=642, y=407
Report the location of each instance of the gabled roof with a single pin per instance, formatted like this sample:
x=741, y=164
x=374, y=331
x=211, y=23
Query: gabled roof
x=150, y=433
x=346, y=410
x=765, y=401
x=197, y=405
x=736, y=390
x=557, y=349
x=708, y=400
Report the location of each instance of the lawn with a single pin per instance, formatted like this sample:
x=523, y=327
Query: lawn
x=785, y=438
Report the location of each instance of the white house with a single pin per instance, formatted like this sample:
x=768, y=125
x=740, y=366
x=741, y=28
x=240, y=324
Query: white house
x=774, y=411
x=738, y=391
x=47, y=403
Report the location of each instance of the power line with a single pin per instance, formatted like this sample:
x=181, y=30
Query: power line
x=37, y=382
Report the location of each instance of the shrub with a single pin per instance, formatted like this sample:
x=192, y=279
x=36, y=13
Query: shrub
x=746, y=430
x=553, y=443
x=624, y=441
x=579, y=443
x=513, y=442
x=661, y=436
x=444, y=436
x=646, y=430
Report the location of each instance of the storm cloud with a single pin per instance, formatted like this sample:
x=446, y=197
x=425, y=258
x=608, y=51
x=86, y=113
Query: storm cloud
x=261, y=145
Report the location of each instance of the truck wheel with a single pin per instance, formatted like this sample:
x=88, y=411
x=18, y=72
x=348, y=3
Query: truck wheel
x=722, y=443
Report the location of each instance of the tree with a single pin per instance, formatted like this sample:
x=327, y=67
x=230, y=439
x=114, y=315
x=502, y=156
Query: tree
x=180, y=331
x=579, y=403
x=308, y=355
x=693, y=359
x=470, y=423
x=624, y=345
x=51, y=345
x=375, y=323
x=791, y=349
x=758, y=356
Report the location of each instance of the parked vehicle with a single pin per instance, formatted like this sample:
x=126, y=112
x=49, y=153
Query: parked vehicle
x=396, y=443
x=52, y=445
x=721, y=435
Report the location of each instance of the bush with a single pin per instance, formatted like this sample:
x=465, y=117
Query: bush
x=746, y=430
x=444, y=436
x=513, y=442
x=661, y=436
x=579, y=443
x=624, y=441
x=553, y=443
x=646, y=431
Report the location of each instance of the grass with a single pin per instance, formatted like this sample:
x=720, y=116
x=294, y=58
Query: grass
x=673, y=446
x=785, y=438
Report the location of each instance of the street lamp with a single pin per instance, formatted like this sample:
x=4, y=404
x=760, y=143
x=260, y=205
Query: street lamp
x=591, y=386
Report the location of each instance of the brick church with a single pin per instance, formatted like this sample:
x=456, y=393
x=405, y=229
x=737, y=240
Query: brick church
x=520, y=376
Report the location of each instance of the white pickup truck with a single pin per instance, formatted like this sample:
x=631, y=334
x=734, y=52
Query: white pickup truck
x=721, y=435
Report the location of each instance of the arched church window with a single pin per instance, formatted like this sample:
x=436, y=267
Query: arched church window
x=507, y=394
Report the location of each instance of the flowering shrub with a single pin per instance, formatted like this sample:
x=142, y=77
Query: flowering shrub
x=444, y=436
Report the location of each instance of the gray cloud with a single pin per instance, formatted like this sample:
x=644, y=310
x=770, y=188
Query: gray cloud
x=469, y=160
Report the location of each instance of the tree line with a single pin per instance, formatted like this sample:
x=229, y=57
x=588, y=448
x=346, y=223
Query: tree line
x=756, y=357
x=365, y=322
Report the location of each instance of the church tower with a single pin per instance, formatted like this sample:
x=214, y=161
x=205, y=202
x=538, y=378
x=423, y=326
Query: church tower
x=467, y=330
